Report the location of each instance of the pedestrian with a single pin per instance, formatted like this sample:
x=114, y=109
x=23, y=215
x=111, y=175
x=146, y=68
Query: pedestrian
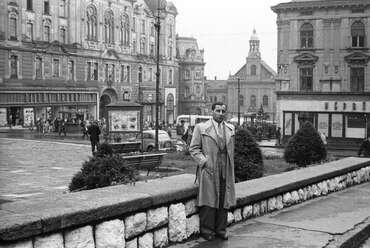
x=278, y=137
x=10, y=122
x=31, y=123
x=323, y=138
x=46, y=127
x=83, y=129
x=180, y=128
x=365, y=148
x=169, y=131
x=212, y=147
x=62, y=128
x=94, y=132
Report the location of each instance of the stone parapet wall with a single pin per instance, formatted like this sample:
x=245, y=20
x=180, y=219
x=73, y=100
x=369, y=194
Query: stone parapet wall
x=154, y=213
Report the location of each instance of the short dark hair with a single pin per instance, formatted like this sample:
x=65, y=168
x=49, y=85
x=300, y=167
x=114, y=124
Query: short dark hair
x=218, y=103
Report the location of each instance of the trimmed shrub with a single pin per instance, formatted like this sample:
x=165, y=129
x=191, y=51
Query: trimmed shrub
x=305, y=147
x=104, y=149
x=248, y=157
x=103, y=171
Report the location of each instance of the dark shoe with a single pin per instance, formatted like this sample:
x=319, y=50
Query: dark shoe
x=208, y=237
x=222, y=236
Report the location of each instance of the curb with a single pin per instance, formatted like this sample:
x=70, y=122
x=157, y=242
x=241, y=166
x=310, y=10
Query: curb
x=353, y=238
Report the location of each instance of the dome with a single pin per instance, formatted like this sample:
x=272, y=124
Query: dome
x=254, y=36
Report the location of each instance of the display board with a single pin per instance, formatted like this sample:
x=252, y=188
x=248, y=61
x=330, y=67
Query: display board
x=28, y=115
x=124, y=120
x=3, y=121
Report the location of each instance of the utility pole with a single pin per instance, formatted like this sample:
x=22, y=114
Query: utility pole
x=157, y=26
x=238, y=101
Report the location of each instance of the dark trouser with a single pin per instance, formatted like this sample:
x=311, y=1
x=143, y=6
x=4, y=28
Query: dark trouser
x=93, y=145
x=62, y=130
x=214, y=220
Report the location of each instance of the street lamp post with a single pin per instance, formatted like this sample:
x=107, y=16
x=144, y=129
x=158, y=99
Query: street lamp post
x=238, y=101
x=157, y=26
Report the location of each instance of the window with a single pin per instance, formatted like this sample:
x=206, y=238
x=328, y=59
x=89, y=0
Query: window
x=215, y=98
x=46, y=7
x=170, y=77
x=357, y=79
x=306, y=78
x=106, y=72
x=134, y=24
x=152, y=30
x=112, y=75
x=223, y=98
x=38, y=68
x=125, y=30
x=134, y=46
x=140, y=74
x=13, y=27
x=128, y=75
x=253, y=70
x=29, y=31
x=170, y=31
x=109, y=27
x=62, y=37
x=241, y=100
x=126, y=96
x=62, y=8
x=198, y=74
x=197, y=89
x=265, y=100
x=170, y=102
x=152, y=48
x=150, y=74
x=170, y=52
x=47, y=33
x=29, y=4
x=143, y=26
x=92, y=23
x=14, y=66
x=187, y=74
x=358, y=34
x=253, y=102
x=211, y=98
x=307, y=35
x=56, y=67
x=95, y=71
x=142, y=46
x=71, y=70
x=186, y=91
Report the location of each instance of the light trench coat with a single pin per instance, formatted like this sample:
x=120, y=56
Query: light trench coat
x=204, y=150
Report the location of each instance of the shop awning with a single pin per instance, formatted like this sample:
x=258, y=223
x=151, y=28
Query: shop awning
x=73, y=111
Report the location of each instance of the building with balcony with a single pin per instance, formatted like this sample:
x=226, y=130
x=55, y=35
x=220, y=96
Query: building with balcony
x=63, y=57
x=192, y=97
x=323, y=72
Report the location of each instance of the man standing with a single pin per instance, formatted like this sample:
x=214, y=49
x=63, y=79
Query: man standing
x=94, y=132
x=365, y=147
x=212, y=147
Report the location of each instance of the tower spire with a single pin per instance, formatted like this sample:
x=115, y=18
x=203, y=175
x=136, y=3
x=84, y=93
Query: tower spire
x=254, y=44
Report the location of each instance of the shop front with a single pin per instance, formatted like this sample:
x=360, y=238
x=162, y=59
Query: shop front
x=26, y=109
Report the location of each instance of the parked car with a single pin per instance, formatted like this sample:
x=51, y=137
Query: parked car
x=164, y=141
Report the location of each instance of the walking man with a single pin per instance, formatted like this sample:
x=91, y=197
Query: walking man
x=94, y=132
x=212, y=147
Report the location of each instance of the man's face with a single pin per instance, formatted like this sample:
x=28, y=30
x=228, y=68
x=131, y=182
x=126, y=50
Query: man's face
x=219, y=113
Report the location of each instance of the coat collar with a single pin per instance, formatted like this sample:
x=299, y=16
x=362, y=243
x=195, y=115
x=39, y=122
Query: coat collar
x=212, y=132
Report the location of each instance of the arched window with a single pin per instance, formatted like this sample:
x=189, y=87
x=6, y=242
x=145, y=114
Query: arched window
x=109, y=26
x=253, y=70
x=253, y=101
x=307, y=35
x=170, y=102
x=124, y=31
x=241, y=100
x=265, y=100
x=92, y=23
x=126, y=96
x=358, y=34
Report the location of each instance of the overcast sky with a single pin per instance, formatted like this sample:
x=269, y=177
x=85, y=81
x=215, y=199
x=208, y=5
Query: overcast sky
x=223, y=29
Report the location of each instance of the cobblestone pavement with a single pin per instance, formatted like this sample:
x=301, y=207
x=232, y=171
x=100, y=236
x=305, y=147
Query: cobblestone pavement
x=54, y=162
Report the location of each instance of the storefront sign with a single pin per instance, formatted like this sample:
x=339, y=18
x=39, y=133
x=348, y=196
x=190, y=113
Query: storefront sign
x=3, y=121
x=28, y=114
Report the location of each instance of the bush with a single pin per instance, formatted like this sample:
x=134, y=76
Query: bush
x=103, y=171
x=104, y=149
x=305, y=147
x=248, y=157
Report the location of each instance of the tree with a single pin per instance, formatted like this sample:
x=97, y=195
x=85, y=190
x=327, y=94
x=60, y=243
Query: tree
x=247, y=157
x=305, y=147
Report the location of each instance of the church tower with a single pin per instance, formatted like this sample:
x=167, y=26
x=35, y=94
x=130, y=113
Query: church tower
x=254, y=44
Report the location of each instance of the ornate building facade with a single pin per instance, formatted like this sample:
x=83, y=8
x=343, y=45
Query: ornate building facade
x=62, y=57
x=255, y=82
x=323, y=67
x=192, y=98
